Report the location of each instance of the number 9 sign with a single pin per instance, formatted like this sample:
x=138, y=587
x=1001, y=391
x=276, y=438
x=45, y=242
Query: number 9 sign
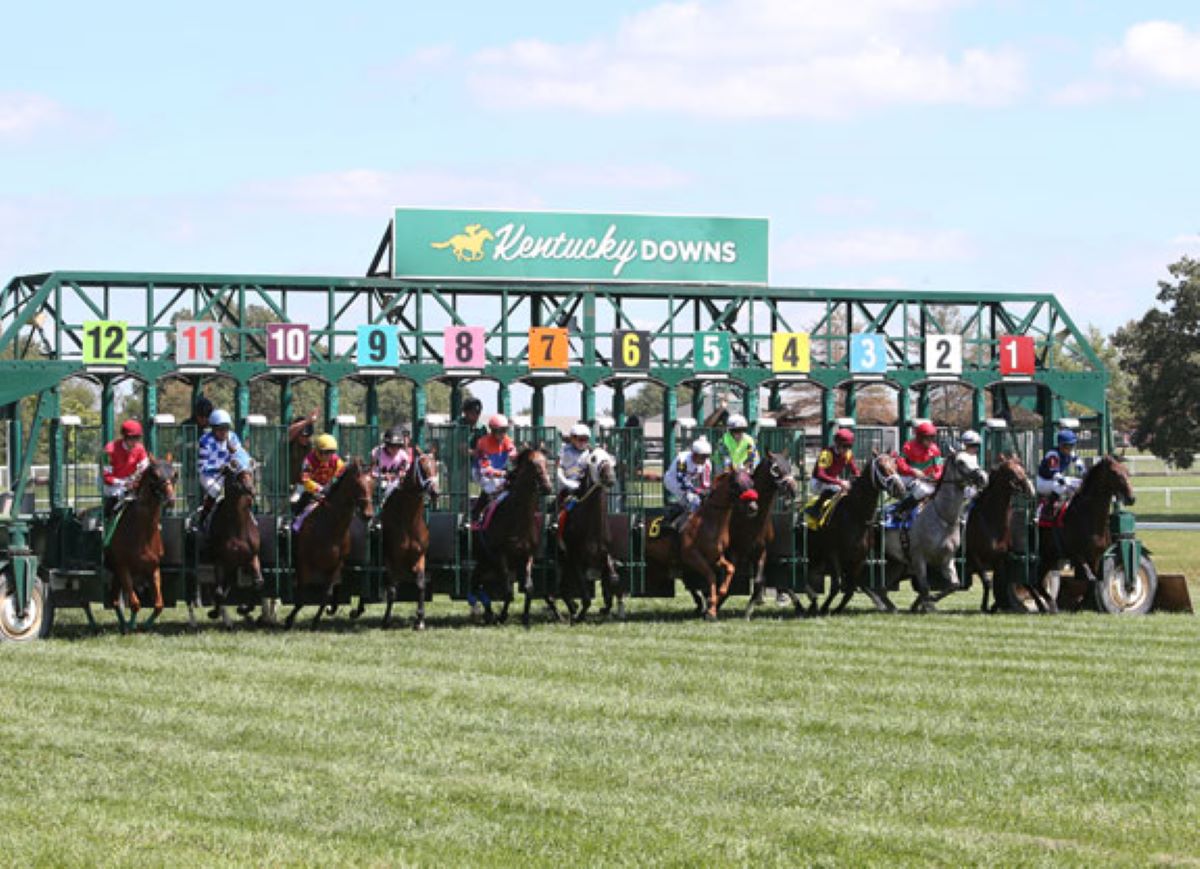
x=463, y=347
x=868, y=353
x=378, y=347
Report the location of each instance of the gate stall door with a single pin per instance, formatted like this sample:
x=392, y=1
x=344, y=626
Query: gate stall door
x=448, y=563
x=626, y=505
x=785, y=558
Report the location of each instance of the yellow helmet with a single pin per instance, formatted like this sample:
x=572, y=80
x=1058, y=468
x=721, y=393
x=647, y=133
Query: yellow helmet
x=325, y=442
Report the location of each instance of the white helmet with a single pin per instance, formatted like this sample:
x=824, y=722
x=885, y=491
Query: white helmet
x=971, y=438
x=736, y=421
x=701, y=446
x=219, y=418
x=579, y=430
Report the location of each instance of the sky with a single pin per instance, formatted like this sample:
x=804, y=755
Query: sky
x=924, y=144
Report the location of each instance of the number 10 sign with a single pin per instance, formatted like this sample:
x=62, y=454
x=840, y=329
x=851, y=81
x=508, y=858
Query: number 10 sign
x=287, y=345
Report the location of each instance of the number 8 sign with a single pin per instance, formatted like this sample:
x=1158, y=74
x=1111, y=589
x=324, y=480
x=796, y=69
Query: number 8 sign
x=287, y=345
x=463, y=347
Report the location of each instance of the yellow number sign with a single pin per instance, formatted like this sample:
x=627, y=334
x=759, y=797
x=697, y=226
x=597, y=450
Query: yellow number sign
x=104, y=342
x=789, y=353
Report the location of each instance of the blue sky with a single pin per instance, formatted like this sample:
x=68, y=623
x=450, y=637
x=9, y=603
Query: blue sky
x=930, y=144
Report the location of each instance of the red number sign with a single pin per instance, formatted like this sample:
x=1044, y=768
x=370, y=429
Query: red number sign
x=197, y=344
x=1016, y=355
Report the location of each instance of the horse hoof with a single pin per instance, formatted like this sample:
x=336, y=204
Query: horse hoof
x=525, y=622
x=710, y=616
x=214, y=613
x=419, y=625
x=355, y=613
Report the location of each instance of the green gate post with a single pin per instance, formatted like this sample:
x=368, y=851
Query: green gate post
x=504, y=399
x=750, y=406
x=850, y=401
x=618, y=408
x=418, y=414
x=58, y=472
x=978, y=408
x=774, y=398
x=538, y=406
x=241, y=405
x=332, y=400
x=923, y=401
x=107, y=412
x=456, y=400
x=149, y=411
x=670, y=412
x=828, y=412
x=904, y=410
x=587, y=405
x=286, y=404
x=698, y=402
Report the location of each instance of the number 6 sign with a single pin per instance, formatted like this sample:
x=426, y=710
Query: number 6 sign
x=287, y=345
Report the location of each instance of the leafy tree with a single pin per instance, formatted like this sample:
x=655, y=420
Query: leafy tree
x=1161, y=353
x=648, y=401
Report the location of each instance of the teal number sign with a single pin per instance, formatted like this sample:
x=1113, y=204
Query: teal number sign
x=712, y=352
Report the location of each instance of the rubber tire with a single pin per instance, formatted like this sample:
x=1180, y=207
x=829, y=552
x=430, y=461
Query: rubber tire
x=41, y=603
x=1110, y=590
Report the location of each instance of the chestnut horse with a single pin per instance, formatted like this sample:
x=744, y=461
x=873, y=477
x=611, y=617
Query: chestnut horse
x=749, y=536
x=405, y=534
x=323, y=541
x=513, y=535
x=701, y=547
x=1084, y=533
x=234, y=541
x=586, y=541
x=840, y=548
x=134, y=548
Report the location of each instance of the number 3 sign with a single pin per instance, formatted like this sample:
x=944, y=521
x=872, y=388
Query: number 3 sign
x=868, y=353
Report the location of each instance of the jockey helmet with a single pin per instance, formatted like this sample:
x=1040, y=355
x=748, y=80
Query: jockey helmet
x=131, y=428
x=472, y=404
x=926, y=428
x=1067, y=438
x=498, y=420
x=395, y=435
x=971, y=438
x=737, y=422
x=844, y=435
x=701, y=447
x=579, y=430
x=325, y=443
x=219, y=418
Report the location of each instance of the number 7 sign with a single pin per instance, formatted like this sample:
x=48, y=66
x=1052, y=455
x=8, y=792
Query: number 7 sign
x=1016, y=355
x=548, y=347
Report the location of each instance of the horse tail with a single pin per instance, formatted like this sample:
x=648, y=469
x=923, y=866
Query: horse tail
x=440, y=245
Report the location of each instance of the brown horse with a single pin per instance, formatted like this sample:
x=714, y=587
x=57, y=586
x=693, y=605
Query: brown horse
x=840, y=549
x=135, y=547
x=701, y=547
x=586, y=541
x=988, y=539
x=323, y=541
x=234, y=541
x=513, y=535
x=405, y=534
x=749, y=536
x=1084, y=533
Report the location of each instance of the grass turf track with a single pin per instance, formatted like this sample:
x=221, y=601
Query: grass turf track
x=953, y=739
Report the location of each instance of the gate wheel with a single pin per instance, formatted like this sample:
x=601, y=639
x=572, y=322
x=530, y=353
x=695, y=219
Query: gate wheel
x=39, y=615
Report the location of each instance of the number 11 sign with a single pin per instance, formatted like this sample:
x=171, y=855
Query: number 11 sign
x=198, y=344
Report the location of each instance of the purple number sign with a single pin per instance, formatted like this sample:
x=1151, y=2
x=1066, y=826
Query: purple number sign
x=287, y=345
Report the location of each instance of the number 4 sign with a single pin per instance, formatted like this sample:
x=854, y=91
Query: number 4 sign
x=1016, y=355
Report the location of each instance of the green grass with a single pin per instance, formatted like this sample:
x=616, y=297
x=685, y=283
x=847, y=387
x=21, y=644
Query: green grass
x=954, y=739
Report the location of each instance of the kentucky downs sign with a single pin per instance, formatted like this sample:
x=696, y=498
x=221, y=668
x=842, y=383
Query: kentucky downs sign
x=563, y=246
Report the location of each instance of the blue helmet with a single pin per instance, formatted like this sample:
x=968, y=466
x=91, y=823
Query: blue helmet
x=1067, y=438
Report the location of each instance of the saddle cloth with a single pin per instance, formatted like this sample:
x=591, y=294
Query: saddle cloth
x=488, y=512
x=1052, y=514
x=893, y=520
x=816, y=521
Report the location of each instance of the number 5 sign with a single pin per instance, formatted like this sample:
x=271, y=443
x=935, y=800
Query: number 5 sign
x=711, y=351
x=287, y=345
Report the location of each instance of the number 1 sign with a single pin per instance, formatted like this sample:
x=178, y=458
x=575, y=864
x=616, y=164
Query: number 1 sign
x=287, y=345
x=1016, y=355
x=198, y=344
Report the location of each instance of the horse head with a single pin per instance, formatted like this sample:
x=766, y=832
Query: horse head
x=776, y=468
x=158, y=482
x=602, y=468
x=1010, y=473
x=424, y=473
x=963, y=470
x=531, y=462
x=357, y=485
x=238, y=478
x=1110, y=476
x=883, y=476
x=742, y=487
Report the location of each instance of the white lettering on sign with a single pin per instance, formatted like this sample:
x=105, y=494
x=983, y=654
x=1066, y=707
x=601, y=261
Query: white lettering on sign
x=689, y=251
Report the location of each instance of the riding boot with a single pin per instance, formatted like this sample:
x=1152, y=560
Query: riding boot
x=904, y=506
x=478, y=508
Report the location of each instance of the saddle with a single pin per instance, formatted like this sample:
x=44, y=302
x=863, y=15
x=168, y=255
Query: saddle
x=894, y=519
x=818, y=511
x=1052, y=514
x=489, y=511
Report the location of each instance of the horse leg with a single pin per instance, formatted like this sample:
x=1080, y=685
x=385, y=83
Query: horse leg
x=835, y=585
x=116, y=590
x=920, y=577
x=158, y=598
x=613, y=586
x=389, y=600
x=528, y=589
x=422, y=590
x=727, y=583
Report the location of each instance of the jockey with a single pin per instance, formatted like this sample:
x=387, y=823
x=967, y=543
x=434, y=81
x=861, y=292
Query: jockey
x=834, y=470
x=391, y=460
x=300, y=434
x=920, y=462
x=218, y=446
x=320, y=468
x=472, y=408
x=489, y=465
x=124, y=460
x=970, y=443
x=689, y=478
x=572, y=464
x=1061, y=472
x=738, y=449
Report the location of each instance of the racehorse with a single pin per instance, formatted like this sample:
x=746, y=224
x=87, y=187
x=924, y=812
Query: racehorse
x=135, y=548
x=932, y=540
x=511, y=537
x=1080, y=534
x=405, y=534
x=234, y=540
x=585, y=542
x=701, y=546
x=323, y=541
x=839, y=548
x=749, y=536
x=989, y=525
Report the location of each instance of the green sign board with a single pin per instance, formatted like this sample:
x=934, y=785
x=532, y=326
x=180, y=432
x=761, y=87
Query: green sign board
x=565, y=246
x=711, y=352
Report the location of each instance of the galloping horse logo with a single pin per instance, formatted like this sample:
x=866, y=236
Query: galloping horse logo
x=467, y=245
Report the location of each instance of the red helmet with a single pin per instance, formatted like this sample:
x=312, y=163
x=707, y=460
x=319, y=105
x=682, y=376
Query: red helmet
x=844, y=435
x=926, y=428
x=131, y=428
x=498, y=420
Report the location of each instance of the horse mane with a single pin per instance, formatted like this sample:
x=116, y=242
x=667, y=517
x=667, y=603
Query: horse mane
x=1090, y=478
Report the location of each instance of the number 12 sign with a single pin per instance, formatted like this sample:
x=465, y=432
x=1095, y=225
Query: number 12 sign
x=287, y=345
x=198, y=343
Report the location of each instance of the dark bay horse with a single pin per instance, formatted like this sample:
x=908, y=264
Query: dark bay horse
x=749, y=536
x=988, y=539
x=405, y=534
x=701, y=547
x=323, y=541
x=1084, y=533
x=586, y=541
x=233, y=541
x=135, y=547
x=513, y=535
x=840, y=548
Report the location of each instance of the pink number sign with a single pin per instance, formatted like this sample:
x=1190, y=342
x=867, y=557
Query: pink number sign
x=464, y=347
x=287, y=345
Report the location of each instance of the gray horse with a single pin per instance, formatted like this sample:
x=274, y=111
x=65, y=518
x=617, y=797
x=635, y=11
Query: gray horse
x=932, y=541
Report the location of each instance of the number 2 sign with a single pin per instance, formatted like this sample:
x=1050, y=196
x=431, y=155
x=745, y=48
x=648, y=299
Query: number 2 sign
x=198, y=343
x=943, y=354
x=287, y=345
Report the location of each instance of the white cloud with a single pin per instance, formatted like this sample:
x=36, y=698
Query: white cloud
x=22, y=114
x=754, y=59
x=874, y=246
x=1086, y=93
x=1160, y=51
